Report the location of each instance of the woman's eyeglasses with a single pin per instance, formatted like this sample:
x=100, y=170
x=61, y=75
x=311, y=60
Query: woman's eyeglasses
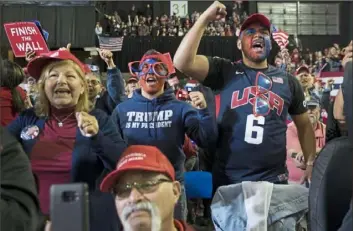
x=138, y=69
x=263, y=85
x=124, y=190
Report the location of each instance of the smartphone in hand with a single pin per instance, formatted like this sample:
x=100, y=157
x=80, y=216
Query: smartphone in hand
x=69, y=207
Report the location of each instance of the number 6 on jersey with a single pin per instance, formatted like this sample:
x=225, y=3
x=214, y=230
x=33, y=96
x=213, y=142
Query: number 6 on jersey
x=254, y=134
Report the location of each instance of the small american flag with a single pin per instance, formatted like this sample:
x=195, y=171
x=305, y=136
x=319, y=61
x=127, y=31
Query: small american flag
x=277, y=80
x=280, y=37
x=111, y=43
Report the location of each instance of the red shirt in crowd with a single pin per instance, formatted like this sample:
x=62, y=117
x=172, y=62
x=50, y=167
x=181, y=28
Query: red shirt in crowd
x=51, y=155
x=6, y=108
x=189, y=148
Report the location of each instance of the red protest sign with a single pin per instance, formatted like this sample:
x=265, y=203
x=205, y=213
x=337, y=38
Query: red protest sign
x=25, y=36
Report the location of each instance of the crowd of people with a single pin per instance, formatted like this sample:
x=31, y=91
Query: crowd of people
x=143, y=24
x=327, y=60
x=258, y=128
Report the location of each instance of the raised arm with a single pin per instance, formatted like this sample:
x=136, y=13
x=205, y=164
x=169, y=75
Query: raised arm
x=115, y=81
x=186, y=59
x=200, y=125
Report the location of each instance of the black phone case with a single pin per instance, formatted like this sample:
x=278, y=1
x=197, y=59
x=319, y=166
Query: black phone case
x=69, y=207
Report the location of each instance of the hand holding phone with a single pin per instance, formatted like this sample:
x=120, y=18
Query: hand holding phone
x=69, y=207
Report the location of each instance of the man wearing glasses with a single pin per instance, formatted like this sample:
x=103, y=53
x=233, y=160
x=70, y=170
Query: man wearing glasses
x=145, y=190
x=255, y=99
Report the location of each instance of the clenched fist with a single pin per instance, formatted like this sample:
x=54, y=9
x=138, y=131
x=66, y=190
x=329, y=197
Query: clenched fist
x=87, y=124
x=107, y=56
x=214, y=12
x=198, y=100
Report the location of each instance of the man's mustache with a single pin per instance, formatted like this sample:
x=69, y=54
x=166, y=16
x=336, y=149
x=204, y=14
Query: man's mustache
x=142, y=206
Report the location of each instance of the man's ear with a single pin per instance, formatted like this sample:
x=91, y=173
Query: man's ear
x=176, y=191
x=239, y=44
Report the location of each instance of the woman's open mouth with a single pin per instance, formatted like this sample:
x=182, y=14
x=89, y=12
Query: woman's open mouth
x=62, y=91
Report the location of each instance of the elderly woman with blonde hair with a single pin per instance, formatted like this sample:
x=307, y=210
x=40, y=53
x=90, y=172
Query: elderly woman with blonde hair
x=66, y=139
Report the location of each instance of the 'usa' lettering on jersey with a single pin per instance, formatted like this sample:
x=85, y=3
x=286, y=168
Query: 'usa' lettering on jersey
x=275, y=101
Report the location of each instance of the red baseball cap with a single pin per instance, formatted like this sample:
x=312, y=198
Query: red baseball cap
x=256, y=18
x=301, y=69
x=132, y=79
x=139, y=157
x=36, y=65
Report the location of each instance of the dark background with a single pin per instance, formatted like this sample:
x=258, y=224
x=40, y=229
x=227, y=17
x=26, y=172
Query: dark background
x=76, y=24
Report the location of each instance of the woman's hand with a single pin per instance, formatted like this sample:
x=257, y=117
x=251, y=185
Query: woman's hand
x=87, y=124
x=30, y=55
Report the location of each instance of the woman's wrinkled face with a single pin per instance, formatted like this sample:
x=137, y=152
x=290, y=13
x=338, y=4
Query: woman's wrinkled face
x=63, y=86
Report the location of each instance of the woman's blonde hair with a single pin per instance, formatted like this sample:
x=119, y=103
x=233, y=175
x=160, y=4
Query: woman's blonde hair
x=42, y=106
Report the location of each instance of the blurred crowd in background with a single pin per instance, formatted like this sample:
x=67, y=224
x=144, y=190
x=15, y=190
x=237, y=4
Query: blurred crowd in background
x=140, y=22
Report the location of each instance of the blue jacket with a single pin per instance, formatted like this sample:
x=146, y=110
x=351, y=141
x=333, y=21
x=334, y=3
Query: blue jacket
x=91, y=159
x=163, y=122
x=115, y=93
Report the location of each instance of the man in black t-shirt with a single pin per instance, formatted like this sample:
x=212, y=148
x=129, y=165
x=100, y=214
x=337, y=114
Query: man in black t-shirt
x=254, y=101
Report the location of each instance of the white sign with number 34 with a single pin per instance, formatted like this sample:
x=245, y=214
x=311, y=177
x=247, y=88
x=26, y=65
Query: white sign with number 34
x=179, y=8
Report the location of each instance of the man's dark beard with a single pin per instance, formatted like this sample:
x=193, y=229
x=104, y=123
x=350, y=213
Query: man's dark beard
x=258, y=60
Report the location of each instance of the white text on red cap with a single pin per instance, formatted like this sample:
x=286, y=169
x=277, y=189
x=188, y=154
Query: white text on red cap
x=131, y=157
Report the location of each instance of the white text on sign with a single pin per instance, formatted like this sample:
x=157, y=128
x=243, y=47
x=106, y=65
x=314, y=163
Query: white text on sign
x=179, y=8
x=27, y=44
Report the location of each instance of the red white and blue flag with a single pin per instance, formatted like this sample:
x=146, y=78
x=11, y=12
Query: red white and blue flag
x=280, y=37
x=111, y=43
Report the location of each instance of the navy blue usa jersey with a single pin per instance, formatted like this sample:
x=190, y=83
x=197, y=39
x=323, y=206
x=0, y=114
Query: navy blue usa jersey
x=252, y=147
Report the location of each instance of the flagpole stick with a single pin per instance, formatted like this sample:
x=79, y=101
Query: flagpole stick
x=10, y=55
